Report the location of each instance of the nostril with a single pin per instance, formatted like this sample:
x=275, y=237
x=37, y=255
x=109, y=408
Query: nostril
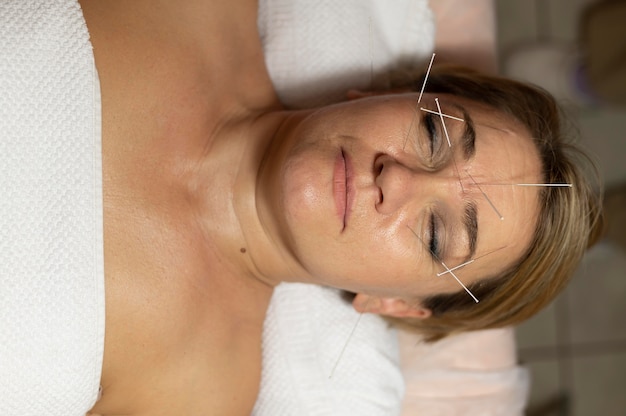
x=378, y=164
x=378, y=168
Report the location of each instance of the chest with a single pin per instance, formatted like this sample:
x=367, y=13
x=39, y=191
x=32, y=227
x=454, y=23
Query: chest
x=176, y=340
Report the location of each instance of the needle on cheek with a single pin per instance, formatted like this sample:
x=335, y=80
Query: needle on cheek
x=444, y=266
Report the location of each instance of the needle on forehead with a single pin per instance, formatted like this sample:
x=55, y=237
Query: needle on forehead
x=548, y=185
x=486, y=197
x=471, y=261
x=444, y=265
x=563, y=185
x=419, y=99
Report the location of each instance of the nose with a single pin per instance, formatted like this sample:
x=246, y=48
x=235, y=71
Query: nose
x=405, y=187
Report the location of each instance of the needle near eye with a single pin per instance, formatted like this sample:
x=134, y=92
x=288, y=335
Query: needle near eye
x=426, y=78
x=444, y=265
x=486, y=197
x=471, y=261
x=441, y=114
x=445, y=130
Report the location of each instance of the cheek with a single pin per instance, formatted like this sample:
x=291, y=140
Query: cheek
x=384, y=256
x=304, y=189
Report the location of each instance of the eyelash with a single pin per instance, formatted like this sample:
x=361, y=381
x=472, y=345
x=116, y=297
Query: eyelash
x=433, y=243
x=429, y=122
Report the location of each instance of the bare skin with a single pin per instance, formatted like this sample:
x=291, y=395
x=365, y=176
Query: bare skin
x=178, y=81
x=213, y=194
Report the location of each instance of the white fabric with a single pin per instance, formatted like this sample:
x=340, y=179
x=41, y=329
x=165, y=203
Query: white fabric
x=305, y=331
x=51, y=259
x=316, y=50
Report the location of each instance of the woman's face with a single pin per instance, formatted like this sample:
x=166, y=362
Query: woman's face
x=374, y=199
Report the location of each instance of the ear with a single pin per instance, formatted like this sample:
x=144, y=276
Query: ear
x=395, y=307
x=353, y=94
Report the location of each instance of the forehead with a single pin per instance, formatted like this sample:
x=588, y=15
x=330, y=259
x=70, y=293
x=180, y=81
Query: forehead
x=505, y=155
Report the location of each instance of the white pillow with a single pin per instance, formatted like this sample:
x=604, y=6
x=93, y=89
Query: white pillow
x=316, y=50
x=305, y=372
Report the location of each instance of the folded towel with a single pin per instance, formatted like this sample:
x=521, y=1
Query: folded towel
x=305, y=333
x=51, y=258
x=316, y=50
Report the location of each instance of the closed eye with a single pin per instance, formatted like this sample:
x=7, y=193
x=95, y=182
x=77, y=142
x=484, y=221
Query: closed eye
x=433, y=242
x=429, y=122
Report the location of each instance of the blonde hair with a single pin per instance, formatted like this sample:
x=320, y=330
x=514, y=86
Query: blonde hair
x=569, y=221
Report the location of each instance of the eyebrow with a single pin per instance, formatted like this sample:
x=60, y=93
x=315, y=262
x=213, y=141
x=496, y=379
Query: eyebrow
x=468, y=138
x=470, y=222
x=470, y=215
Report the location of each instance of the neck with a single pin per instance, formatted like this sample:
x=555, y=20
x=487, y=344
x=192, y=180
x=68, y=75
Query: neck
x=239, y=204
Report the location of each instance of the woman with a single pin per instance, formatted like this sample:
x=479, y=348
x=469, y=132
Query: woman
x=214, y=193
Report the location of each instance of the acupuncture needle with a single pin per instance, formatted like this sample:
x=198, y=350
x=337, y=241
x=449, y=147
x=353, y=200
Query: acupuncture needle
x=471, y=261
x=345, y=346
x=545, y=185
x=419, y=99
x=441, y=114
x=563, y=185
x=463, y=120
x=444, y=265
x=442, y=122
x=356, y=324
x=445, y=130
x=486, y=197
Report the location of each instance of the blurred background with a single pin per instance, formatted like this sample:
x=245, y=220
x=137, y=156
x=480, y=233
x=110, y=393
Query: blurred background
x=576, y=348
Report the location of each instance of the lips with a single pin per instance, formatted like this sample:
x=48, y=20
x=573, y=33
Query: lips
x=342, y=187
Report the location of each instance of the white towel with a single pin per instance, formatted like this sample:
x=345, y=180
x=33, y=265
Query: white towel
x=316, y=50
x=305, y=332
x=51, y=259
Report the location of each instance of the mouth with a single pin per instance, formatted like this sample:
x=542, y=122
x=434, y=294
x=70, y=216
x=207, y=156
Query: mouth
x=342, y=187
